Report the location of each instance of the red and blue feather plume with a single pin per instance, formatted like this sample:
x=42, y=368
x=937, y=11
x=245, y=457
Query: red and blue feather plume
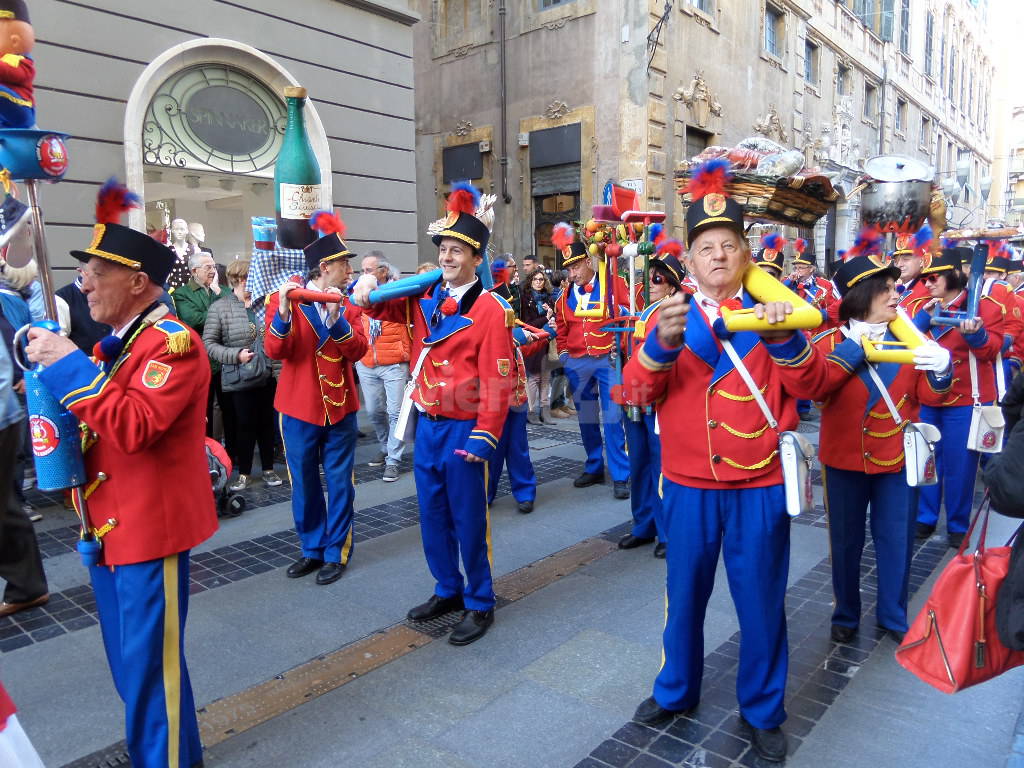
x=113, y=200
x=799, y=245
x=671, y=248
x=709, y=178
x=868, y=242
x=464, y=198
x=327, y=223
x=923, y=239
x=773, y=241
x=656, y=232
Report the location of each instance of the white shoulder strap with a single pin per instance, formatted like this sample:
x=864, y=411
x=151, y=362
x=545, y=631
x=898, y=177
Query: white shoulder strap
x=1000, y=378
x=885, y=393
x=975, y=395
x=749, y=381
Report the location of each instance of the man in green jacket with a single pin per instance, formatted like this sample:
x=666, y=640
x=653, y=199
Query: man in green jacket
x=192, y=304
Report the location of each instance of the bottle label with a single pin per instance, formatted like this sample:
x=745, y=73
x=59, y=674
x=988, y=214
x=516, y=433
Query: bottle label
x=299, y=201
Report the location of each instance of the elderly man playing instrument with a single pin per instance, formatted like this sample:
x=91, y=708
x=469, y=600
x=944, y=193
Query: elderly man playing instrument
x=722, y=399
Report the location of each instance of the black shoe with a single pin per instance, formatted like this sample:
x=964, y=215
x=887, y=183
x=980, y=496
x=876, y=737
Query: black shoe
x=525, y=507
x=843, y=634
x=621, y=490
x=659, y=550
x=768, y=743
x=434, y=607
x=329, y=573
x=588, y=478
x=473, y=626
x=629, y=541
x=955, y=540
x=379, y=460
x=303, y=567
x=924, y=531
x=650, y=712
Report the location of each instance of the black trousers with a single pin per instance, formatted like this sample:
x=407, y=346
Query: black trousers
x=21, y=565
x=227, y=412
x=255, y=423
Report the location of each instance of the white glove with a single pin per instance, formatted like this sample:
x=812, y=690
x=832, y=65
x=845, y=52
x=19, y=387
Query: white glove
x=931, y=357
x=363, y=287
x=859, y=328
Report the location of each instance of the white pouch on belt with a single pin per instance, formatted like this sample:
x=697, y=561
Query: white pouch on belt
x=919, y=441
x=796, y=452
x=985, y=435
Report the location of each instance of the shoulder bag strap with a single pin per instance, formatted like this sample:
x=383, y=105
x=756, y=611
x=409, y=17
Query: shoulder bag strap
x=749, y=381
x=885, y=393
x=1000, y=378
x=973, y=361
x=882, y=389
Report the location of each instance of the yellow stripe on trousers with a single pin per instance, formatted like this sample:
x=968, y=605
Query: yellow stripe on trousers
x=172, y=659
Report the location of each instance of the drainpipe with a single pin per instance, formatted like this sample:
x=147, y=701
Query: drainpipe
x=881, y=112
x=504, y=103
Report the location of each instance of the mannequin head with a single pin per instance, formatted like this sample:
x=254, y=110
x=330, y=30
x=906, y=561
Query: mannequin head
x=179, y=232
x=16, y=37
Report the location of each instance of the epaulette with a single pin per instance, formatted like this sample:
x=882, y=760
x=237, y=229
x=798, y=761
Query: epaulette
x=640, y=326
x=510, y=314
x=823, y=334
x=646, y=313
x=179, y=337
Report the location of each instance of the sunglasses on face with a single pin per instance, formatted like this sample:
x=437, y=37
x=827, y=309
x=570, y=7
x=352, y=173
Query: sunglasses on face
x=658, y=279
x=929, y=279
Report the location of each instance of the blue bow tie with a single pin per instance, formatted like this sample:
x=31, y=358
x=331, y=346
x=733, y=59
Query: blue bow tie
x=442, y=294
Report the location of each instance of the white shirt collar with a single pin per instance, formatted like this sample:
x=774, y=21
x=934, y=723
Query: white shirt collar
x=458, y=293
x=709, y=306
x=120, y=332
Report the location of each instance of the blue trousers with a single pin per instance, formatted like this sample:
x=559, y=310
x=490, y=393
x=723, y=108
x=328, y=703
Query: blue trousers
x=893, y=509
x=454, y=519
x=644, y=477
x=514, y=451
x=325, y=530
x=751, y=528
x=142, y=609
x=956, y=467
x=591, y=379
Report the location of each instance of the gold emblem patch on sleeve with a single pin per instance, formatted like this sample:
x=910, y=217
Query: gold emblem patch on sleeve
x=155, y=374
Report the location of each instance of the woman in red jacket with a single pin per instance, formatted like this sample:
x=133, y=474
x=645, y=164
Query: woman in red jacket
x=951, y=412
x=866, y=407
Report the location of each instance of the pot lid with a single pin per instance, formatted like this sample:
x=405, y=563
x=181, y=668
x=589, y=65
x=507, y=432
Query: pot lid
x=898, y=168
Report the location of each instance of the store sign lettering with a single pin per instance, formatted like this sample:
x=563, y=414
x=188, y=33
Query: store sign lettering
x=228, y=120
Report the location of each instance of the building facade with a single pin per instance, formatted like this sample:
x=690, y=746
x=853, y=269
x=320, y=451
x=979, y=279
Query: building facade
x=606, y=90
x=184, y=101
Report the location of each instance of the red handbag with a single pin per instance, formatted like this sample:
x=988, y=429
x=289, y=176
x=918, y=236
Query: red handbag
x=953, y=643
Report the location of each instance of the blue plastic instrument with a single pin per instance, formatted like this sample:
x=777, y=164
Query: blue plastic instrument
x=975, y=282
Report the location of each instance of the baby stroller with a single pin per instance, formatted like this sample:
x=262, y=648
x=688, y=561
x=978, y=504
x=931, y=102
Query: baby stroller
x=228, y=504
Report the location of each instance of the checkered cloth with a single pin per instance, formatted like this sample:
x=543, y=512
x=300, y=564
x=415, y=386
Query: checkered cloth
x=271, y=268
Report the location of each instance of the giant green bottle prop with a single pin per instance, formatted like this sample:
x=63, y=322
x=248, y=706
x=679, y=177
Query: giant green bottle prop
x=297, y=189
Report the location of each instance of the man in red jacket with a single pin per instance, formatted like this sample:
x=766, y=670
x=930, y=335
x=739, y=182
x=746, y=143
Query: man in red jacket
x=585, y=352
x=463, y=377
x=316, y=397
x=142, y=400
x=722, y=487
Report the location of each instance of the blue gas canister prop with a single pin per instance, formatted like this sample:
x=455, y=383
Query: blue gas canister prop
x=56, y=441
x=28, y=153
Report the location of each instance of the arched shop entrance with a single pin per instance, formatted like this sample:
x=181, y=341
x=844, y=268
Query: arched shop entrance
x=203, y=128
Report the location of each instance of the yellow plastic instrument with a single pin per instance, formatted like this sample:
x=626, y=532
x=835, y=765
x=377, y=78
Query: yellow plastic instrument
x=766, y=288
x=901, y=351
x=597, y=308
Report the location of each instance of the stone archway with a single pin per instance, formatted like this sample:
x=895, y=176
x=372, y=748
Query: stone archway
x=208, y=51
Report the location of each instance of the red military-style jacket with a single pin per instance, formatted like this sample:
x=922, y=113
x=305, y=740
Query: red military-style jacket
x=144, y=416
x=713, y=434
x=469, y=370
x=1017, y=350
x=821, y=294
x=316, y=384
x=858, y=432
x=917, y=290
x=579, y=336
x=985, y=344
x=1013, y=322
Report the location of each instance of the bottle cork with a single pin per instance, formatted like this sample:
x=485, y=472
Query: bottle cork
x=294, y=92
